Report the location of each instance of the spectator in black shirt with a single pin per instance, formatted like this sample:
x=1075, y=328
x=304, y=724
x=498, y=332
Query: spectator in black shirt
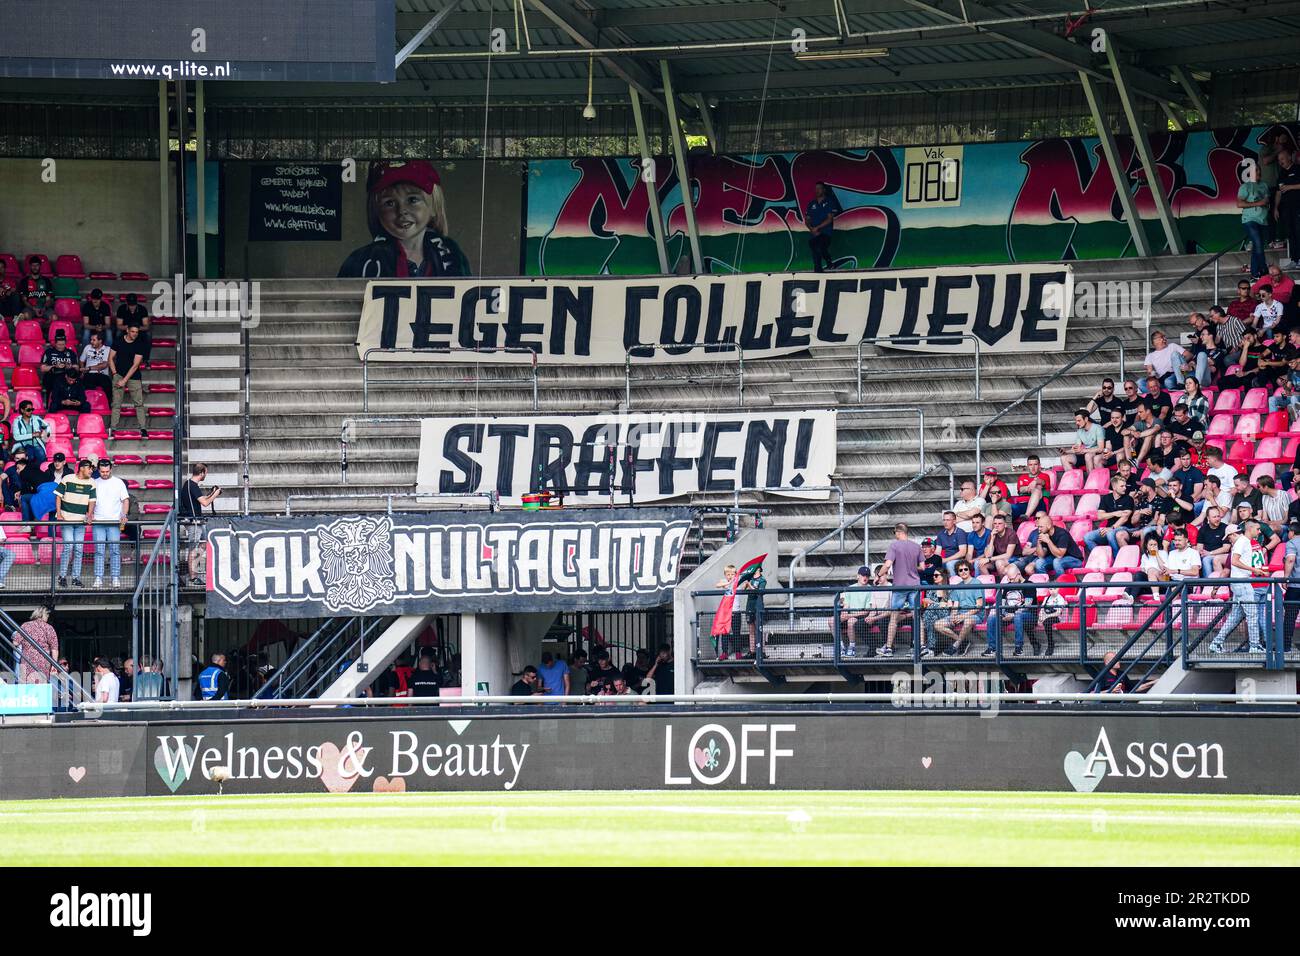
x=528, y=685
x=1182, y=426
x=930, y=560
x=69, y=394
x=1113, y=429
x=57, y=359
x=1158, y=399
x=1142, y=433
x=132, y=315
x=1105, y=400
x=1113, y=516
x=192, y=503
x=424, y=679
x=1164, y=458
x=1212, y=542
x=1050, y=550
x=1243, y=493
x=96, y=316
x=1131, y=398
x=1192, y=479
x=662, y=671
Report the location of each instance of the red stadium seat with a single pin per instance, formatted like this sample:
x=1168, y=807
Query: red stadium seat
x=155, y=509
x=67, y=328
x=26, y=377
x=1071, y=481
x=7, y=356
x=9, y=262
x=1239, y=452
x=60, y=425
x=1275, y=423
x=98, y=401
x=56, y=445
x=161, y=435
x=67, y=309
x=1087, y=506
x=1129, y=559
x=159, y=483
x=135, y=277
x=92, y=448
x=160, y=411
x=1099, y=559
x=110, y=276
x=164, y=343
x=91, y=425
x=158, y=459
x=1268, y=449
x=30, y=395
x=28, y=332
x=1247, y=426
x=30, y=353
x=1062, y=509
x=69, y=267
x=127, y=460
x=1263, y=468
x=1229, y=400
x=1079, y=530
x=1220, y=425
x=160, y=388
x=162, y=366
x=1098, y=481
x=1256, y=400
x=132, y=484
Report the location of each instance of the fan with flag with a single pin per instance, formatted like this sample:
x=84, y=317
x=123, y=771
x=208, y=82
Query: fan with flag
x=722, y=618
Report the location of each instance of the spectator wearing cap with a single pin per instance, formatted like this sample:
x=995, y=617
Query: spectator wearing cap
x=1033, y=489
x=96, y=316
x=407, y=214
x=57, y=359
x=69, y=394
x=1246, y=561
x=991, y=481
x=57, y=468
x=132, y=315
x=930, y=560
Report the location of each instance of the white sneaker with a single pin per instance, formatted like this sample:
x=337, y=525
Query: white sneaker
x=1289, y=264
x=117, y=582
x=99, y=583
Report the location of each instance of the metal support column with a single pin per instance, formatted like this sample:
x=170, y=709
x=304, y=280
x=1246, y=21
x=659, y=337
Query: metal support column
x=1118, y=173
x=683, y=169
x=651, y=184
x=1174, y=117
x=1143, y=147
x=165, y=221
x=1193, y=92
x=200, y=196
x=706, y=117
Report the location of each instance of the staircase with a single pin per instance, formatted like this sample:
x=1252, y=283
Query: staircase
x=307, y=379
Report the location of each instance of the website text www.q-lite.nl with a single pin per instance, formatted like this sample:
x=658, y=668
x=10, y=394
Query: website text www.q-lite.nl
x=180, y=70
x=1203, y=923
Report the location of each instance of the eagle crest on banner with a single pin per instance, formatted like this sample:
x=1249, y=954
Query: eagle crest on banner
x=357, y=558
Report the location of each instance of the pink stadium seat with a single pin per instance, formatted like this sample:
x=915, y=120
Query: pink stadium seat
x=160, y=411
x=30, y=395
x=31, y=353
x=1078, y=529
x=63, y=325
x=1176, y=397
x=161, y=435
x=132, y=484
x=164, y=320
x=1220, y=425
x=92, y=448
x=1277, y=561
x=1229, y=400
x=1098, y=481
x=91, y=425
x=23, y=553
x=60, y=425
x=1062, y=509
x=158, y=459
x=1247, y=426
x=1129, y=559
x=1275, y=423
x=1256, y=400
x=10, y=263
x=28, y=332
x=162, y=366
x=1099, y=559
x=110, y=276
x=1118, y=582
x=1023, y=531
x=164, y=343
x=127, y=460
x=1268, y=449
x=67, y=309
x=1239, y=452
x=1071, y=481
x=1289, y=451
x=7, y=356
x=1263, y=468
x=98, y=401
x=57, y=445
x=159, y=483
x=160, y=388
x=135, y=277
x=5, y=337
x=1087, y=506
x=69, y=267
x=26, y=377
x=155, y=509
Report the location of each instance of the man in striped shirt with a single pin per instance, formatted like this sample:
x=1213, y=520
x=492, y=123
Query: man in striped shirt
x=1230, y=331
x=75, y=497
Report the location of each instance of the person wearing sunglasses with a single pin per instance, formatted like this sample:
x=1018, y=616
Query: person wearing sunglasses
x=31, y=432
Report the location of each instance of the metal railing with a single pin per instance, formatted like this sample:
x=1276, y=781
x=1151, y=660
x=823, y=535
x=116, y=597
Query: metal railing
x=1091, y=626
x=318, y=658
x=638, y=351
x=902, y=341
x=476, y=381
x=68, y=693
x=888, y=409
x=801, y=556
x=347, y=434
x=1036, y=391
x=732, y=516
x=491, y=497
x=1190, y=274
x=248, y=412
x=37, y=561
x=155, y=625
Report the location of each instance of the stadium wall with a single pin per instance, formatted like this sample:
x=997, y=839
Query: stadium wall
x=502, y=196
x=105, y=211
x=807, y=748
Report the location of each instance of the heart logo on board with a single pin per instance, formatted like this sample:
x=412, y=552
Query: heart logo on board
x=701, y=758
x=925, y=762
x=330, y=771
x=173, y=776
x=1076, y=771
x=76, y=773
x=384, y=785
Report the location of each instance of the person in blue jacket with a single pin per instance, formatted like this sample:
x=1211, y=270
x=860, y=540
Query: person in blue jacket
x=407, y=214
x=819, y=217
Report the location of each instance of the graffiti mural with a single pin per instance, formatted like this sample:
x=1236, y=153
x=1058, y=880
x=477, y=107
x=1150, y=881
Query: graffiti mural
x=988, y=203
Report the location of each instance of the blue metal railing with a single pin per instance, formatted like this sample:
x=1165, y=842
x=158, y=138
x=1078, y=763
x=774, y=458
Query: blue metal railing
x=155, y=617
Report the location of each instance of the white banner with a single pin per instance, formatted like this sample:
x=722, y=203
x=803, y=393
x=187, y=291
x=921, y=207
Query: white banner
x=653, y=456
x=1019, y=308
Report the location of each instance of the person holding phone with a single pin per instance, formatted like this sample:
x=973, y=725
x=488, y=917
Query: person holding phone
x=192, y=503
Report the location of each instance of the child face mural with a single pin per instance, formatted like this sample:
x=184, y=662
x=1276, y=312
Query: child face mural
x=405, y=211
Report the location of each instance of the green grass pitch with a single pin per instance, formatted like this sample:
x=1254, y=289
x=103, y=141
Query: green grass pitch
x=656, y=828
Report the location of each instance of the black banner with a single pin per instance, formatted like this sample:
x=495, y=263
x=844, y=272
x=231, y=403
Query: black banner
x=293, y=203
x=569, y=748
x=318, y=566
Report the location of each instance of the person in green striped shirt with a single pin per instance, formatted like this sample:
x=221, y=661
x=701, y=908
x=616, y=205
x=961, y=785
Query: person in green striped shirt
x=75, y=498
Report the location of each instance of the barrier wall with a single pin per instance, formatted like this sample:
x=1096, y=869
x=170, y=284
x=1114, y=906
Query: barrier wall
x=574, y=749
